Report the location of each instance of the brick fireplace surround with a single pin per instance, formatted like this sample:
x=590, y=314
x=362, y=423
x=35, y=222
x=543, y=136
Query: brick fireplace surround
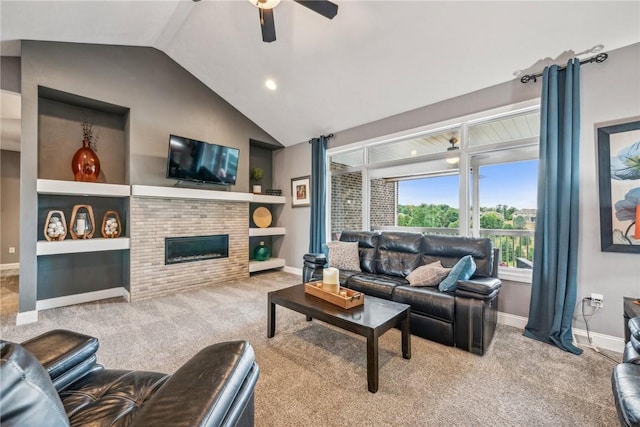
x=153, y=219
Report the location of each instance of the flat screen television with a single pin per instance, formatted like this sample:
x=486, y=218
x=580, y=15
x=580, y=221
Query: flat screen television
x=193, y=160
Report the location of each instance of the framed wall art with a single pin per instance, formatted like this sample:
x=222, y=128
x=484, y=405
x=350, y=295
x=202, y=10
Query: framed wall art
x=619, y=185
x=301, y=191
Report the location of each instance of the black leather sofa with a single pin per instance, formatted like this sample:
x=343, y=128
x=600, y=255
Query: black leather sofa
x=465, y=318
x=54, y=380
x=625, y=379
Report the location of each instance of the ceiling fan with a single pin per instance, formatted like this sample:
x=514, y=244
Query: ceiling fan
x=323, y=7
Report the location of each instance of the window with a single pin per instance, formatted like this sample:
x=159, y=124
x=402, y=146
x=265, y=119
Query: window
x=477, y=177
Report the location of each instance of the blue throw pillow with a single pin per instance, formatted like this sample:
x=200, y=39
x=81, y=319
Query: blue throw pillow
x=463, y=270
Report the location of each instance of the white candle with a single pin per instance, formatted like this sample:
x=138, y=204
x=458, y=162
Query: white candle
x=80, y=226
x=330, y=279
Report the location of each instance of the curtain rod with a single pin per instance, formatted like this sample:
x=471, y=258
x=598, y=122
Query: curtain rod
x=321, y=136
x=601, y=57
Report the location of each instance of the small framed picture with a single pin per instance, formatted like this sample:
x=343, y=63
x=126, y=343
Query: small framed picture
x=301, y=191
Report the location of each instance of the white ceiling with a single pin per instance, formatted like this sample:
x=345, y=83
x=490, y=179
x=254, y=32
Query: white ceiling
x=373, y=60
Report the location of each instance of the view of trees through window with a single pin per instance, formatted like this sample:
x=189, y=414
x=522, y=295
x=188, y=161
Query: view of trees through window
x=507, y=207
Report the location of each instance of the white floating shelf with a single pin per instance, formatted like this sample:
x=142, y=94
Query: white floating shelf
x=269, y=231
x=266, y=265
x=74, y=188
x=70, y=246
x=274, y=200
x=188, y=193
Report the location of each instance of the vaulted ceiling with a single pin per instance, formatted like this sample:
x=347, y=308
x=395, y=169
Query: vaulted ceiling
x=373, y=60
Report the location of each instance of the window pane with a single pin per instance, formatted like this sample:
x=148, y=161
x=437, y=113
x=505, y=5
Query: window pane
x=508, y=200
x=506, y=129
x=430, y=204
x=344, y=161
x=346, y=203
x=420, y=146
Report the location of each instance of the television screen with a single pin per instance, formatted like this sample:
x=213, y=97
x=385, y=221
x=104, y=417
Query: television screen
x=193, y=160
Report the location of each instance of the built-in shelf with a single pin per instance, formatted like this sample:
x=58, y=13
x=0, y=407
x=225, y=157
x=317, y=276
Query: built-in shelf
x=274, y=200
x=265, y=265
x=70, y=246
x=75, y=188
x=269, y=231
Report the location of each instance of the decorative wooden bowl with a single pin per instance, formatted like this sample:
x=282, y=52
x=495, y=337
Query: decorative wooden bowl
x=58, y=226
x=111, y=225
x=262, y=217
x=89, y=222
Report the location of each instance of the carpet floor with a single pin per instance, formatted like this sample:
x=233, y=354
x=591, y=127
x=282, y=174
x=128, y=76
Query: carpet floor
x=313, y=374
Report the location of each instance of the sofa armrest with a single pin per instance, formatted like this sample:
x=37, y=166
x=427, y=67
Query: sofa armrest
x=67, y=356
x=217, y=384
x=481, y=288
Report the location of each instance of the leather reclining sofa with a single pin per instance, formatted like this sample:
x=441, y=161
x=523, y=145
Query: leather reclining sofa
x=54, y=380
x=625, y=379
x=465, y=318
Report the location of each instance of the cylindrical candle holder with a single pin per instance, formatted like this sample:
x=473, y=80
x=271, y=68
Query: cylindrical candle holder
x=331, y=279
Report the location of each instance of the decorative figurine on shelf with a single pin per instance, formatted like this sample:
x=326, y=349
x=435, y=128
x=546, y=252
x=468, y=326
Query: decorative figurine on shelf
x=111, y=226
x=82, y=225
x=257, y=174
x=85, y=163
x=261, y=252
x=55, y=226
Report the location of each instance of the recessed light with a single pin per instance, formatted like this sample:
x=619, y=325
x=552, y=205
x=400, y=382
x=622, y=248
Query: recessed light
x=270, y=84
x=414, y=153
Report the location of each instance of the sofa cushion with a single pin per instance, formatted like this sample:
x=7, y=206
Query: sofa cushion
x=463, y=270
x=398, y=253
x=344, y=255
x=428, y=275
x=450, y=249
x=367, y=244
x=427, y=301
x=625, y=382
x=28, y=395
x=377, y=285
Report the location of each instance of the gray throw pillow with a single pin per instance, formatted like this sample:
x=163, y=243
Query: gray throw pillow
x=344, y=255
x=428, y=275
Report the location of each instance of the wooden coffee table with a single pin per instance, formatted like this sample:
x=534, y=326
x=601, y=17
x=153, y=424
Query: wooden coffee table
x=370, y=320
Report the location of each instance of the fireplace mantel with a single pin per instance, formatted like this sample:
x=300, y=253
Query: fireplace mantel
x=197, y=194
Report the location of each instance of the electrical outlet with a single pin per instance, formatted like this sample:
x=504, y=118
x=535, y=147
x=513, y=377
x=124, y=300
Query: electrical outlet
x=597, y=300
x=12, y=250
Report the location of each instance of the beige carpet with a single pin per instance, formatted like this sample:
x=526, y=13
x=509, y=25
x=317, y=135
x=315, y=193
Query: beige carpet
x=313, y=374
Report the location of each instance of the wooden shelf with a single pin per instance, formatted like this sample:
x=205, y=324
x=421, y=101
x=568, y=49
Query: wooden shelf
x=70, y=246
x=268, y=231
x=75, y=188
x=265, y=265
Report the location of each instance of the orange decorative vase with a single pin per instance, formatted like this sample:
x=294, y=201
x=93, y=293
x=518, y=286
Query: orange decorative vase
x=85, y=164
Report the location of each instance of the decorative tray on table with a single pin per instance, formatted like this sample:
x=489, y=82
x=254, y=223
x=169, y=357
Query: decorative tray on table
x=350, y=298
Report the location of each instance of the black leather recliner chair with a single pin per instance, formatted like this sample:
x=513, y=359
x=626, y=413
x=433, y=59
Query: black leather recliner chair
x=54, y=380
x=625, y=379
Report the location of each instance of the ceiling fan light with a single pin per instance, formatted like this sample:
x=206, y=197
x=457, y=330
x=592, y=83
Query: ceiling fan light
x=265, y=4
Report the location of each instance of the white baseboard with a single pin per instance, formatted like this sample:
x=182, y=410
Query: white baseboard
x=605, y=342
x=292, y=270
x=26, y=317
x=14, y=266
x=46, y=304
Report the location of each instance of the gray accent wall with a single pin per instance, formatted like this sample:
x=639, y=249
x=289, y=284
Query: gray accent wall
x=162, y=98
x=9, y=206
x=610, y=91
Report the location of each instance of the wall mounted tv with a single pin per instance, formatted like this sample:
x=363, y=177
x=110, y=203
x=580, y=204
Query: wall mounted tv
x=192, y=160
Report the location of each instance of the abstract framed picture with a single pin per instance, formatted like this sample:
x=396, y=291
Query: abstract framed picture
x=619, y=186
x=301, y=191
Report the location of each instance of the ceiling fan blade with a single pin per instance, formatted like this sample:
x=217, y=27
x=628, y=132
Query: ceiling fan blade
x=268, y=25
x=323, y=7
